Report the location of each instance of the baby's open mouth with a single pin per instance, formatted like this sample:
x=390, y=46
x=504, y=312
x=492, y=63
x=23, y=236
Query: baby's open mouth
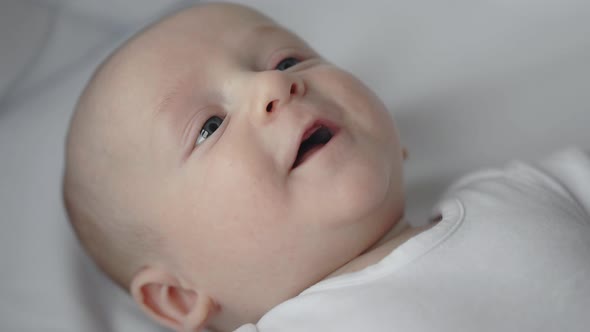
x=314, y=139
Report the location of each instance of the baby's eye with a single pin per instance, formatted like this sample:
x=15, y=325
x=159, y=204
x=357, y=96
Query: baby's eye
x=209, y=128
x=286, y=63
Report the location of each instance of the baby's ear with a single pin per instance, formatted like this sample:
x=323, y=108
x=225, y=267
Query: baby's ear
x=161, y=296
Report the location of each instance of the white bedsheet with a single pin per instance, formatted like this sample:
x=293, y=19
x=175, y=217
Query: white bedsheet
x=470, y=84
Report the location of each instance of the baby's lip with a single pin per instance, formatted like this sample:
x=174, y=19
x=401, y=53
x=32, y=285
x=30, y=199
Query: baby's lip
x=307, y=130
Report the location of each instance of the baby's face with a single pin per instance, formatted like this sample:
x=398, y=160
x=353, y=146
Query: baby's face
x=222, y=99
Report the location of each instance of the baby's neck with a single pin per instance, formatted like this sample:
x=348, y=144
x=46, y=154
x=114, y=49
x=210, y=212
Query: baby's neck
x=399, y=234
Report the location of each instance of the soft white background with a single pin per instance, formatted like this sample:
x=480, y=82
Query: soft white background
x=471, y=83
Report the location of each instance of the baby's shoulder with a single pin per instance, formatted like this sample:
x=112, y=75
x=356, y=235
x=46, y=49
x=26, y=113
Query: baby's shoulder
x=558, y=182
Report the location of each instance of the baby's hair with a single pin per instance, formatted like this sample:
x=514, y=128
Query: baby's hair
x=115, y=245
x=113, y=237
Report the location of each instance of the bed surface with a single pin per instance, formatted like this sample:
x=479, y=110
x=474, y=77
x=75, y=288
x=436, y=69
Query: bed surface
x=470, y=84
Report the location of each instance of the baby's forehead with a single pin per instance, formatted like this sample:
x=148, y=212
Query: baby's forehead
x=195, y=33
x=199, y=36
x=210, y=21
x=188, y=34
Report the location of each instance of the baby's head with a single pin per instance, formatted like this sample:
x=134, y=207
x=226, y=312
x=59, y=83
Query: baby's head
x=187, y=181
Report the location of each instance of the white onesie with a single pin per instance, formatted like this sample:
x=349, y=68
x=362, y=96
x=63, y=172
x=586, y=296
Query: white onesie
x=512, y=253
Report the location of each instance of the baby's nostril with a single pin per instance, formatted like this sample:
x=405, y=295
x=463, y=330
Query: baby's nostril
x=293, y=88
x=269, y=106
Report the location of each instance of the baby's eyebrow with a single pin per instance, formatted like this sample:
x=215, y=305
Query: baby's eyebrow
x=174, y=111
x=262, y=31
x=166, y=103
x=163, y=105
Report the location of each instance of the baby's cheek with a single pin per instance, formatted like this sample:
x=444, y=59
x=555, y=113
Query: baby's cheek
x=350, y=90
x=359, y=103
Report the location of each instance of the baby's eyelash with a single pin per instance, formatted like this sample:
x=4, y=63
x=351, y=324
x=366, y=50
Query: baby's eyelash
x=287, y=63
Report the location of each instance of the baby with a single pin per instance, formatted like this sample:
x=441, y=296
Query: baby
x=228, y=177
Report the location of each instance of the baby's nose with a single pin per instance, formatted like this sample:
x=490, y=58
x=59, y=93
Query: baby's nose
x=278, y=89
